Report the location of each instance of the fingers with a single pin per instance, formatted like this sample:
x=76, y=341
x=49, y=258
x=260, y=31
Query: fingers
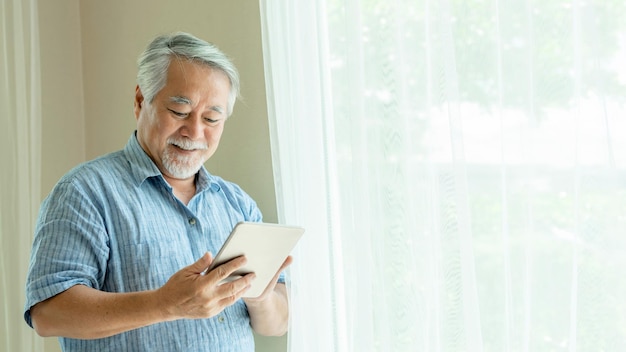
x=232, y=291
x=228, y=284
x=272, y=285
x=286, y=263
x=284, y=266
x=202, y=264
x=194, y=293
x=223, y=271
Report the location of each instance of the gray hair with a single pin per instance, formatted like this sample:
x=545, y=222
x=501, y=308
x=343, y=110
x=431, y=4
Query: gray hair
x=154, y=62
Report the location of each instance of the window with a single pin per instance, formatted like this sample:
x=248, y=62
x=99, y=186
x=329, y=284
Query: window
x=460, y=168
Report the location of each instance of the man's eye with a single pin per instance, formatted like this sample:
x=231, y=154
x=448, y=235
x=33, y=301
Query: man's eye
x=210, y=120
x=179, y=114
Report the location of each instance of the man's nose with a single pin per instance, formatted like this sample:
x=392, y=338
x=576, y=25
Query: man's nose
x=193, y=127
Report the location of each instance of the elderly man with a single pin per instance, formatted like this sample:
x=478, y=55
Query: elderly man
x=114, y=264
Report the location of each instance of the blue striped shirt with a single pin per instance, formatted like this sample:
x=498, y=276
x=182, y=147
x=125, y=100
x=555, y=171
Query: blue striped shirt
x=114, y=224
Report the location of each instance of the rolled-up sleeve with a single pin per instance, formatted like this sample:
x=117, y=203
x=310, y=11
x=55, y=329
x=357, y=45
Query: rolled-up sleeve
x=70, y=246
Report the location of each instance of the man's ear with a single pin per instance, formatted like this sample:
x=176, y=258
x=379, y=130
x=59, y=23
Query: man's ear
x=138, y=104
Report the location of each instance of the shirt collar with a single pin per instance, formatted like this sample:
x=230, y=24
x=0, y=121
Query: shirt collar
x=142, y=167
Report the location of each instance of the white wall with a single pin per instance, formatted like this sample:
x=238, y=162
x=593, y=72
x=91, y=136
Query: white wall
x=89, y=49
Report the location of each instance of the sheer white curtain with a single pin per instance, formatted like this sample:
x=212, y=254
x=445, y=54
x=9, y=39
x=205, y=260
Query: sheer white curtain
x=20, y=171
x=460, y=167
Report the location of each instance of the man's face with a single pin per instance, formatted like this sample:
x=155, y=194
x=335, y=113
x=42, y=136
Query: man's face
x=182, y=127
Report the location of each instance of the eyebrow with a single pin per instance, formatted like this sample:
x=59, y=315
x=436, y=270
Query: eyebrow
x=180, y=100
x=186, y=101
x=217, y=109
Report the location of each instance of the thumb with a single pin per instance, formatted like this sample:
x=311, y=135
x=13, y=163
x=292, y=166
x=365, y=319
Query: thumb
x=202, y=264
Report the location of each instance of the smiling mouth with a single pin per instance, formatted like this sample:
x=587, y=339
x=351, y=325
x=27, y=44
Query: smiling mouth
x=183, y=149
x=186, y=145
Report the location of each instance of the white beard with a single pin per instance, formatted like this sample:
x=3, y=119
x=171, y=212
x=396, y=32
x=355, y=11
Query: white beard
x=181, y=166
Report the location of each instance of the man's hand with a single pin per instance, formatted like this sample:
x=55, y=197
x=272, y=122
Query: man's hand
x=192, y=294
x=269, y=290
x=86, y=313
x=269, y=313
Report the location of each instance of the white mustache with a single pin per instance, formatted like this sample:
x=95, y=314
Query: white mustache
x=187, y=144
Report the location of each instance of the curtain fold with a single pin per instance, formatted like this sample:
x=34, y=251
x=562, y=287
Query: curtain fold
x=298, y=60
x=20, y=175
x=460, y=169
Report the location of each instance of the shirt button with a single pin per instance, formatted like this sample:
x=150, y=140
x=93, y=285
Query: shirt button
x=221, y=319
x=192, y=221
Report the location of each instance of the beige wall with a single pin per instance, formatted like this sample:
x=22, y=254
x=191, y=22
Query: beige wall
x=63, y=123
x=115, y=32
x=89, y=49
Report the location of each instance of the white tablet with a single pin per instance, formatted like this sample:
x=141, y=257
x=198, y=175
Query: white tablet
x=265, y=245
